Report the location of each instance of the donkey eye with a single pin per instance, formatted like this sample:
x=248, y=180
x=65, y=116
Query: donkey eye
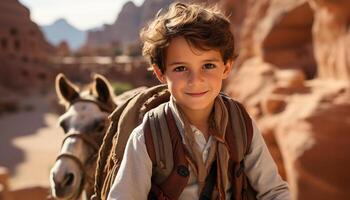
x=100, y=128
x=99, y=125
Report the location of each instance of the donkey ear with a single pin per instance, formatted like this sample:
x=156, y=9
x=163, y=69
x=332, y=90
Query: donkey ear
x=66, y=91
x=102, y=88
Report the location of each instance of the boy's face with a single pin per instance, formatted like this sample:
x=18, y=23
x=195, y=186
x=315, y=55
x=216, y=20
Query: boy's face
x=194, y=77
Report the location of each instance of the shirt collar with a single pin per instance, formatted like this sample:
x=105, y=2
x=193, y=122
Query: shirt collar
x=218, y=135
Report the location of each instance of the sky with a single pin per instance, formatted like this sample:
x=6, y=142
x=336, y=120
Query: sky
x=83, y=14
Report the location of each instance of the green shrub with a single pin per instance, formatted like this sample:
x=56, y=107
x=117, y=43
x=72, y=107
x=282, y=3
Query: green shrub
x=120, y=87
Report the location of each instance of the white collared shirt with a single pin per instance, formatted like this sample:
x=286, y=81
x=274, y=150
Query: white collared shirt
x=133, y=180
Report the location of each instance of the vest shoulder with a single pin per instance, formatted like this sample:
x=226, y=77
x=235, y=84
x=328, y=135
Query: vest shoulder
x=228, y=98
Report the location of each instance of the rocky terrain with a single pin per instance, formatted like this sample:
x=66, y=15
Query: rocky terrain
x=292, y=74
x=295, y=51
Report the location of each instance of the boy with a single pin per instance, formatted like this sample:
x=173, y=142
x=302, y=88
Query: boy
x=191, y=50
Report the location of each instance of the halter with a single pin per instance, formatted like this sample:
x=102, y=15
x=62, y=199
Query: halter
x=92, y=142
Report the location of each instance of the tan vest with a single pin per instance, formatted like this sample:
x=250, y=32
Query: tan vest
x=166, y=150
x=128, y=115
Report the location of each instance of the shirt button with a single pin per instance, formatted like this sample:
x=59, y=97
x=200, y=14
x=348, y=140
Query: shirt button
x=182, y=171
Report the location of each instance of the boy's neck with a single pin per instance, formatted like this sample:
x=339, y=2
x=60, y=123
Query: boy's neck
x=199, y=119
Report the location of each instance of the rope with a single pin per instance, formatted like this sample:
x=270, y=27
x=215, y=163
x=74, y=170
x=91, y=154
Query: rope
x=102, y=159
x=106, y=159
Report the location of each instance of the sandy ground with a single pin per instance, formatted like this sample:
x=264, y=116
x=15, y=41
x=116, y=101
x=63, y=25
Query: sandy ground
x=29, y=143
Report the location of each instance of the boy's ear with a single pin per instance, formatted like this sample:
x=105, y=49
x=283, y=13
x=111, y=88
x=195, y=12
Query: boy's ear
x=159, y=74
x=228, y=68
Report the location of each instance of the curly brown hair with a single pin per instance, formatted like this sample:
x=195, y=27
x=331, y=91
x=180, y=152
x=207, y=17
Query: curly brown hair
x=203, y=27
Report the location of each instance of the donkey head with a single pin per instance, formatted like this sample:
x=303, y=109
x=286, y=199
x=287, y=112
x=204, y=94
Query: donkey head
x=84, y=124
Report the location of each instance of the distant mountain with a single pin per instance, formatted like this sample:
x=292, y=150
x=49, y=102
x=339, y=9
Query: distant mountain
x=61, y=30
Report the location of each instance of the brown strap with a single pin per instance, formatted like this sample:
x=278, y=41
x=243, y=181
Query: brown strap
x=93, y=142
x=241, y=128
x=163, y=148
x=210, y=181
x=149, y=141
x=231, y=139
x=238, y=137
x=248, y=192
x=248, y=125
x=180, y=173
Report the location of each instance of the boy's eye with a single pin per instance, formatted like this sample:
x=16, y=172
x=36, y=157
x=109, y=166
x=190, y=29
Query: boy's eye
x=180, y=69
x=209, y=66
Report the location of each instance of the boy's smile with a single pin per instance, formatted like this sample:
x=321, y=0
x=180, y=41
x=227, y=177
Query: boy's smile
x=194, y=76
x=197, y=94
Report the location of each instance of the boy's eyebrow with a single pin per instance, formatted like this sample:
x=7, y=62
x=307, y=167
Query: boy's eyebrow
x=177, y=63
x=211, y=60
x=206, y=60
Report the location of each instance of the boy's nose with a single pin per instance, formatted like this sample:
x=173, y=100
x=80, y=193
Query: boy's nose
x=195, y=77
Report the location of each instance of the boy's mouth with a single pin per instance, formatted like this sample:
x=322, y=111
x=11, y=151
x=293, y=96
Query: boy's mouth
x=196, y=94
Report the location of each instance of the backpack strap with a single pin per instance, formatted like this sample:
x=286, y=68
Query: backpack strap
x=241, y=125
x=209, y=184
x=238, y=136
x=164, y=161
x=247, y=192
x=163, y=179
x=123, y=120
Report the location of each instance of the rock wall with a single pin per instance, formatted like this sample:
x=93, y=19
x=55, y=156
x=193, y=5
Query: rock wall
x=274, y=31
x=23, y=49
x=332, y=38
x=295, y=53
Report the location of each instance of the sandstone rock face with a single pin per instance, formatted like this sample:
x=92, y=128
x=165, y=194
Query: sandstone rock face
x=273, y=30
x=236, y=11
x=332, y=38
x=313, y=139
x=126, y=28
x=24, y=50
x=301, y=102
x=305, y=126
x=20, y=37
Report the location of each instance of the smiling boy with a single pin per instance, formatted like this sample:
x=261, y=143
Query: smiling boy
x=190, y=48
x=194, y=78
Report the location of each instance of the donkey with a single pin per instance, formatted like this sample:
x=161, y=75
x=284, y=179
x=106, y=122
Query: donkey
x=84, y=123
